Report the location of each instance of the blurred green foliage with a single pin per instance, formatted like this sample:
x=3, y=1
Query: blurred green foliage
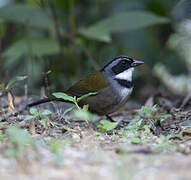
x=72, y=38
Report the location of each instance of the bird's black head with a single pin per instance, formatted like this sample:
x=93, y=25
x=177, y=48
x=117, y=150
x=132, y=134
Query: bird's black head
x=120, y=70
x=121, y=64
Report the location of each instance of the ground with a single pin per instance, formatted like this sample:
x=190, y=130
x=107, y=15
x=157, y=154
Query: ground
x=148, y=143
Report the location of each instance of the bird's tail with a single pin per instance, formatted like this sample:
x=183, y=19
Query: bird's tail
x=45, y=100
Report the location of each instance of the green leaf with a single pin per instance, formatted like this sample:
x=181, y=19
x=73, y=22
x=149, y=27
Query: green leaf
x=29, y=117
x=19, y=136
x=121, y=22
x=36, y=47
x=85, y=107
x=3, y=123
x=186, y=123
x=16, y=80
x=45, y=121
x=136, y=140
x=2, y=136
x=46, y=112
x=85, y=96
x=2, y=87
x=34, y=112
x=83, y=115
x=96, y=32
x=107, y=125
x=68, y=110
x=11, y=153
x=31, y=16
x=64, y=96
x=59, y=159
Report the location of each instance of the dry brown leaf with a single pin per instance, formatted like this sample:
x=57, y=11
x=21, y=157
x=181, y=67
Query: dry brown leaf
x=11, y=106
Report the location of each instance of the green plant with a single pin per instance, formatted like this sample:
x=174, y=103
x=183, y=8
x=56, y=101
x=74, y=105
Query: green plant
x=20, y=142
x=73, y=100
x=42, y=116
x=55, y=148
x=107, y=125
x=164, y=143
x=81, y=113
x=101, y=31
x=135, y=134
x=146, y=114
x=2, y=136
x=138, y=131
x=84, y=114
x=7, y=88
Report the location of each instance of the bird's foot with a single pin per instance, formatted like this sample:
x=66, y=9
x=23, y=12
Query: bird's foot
x=110, y=118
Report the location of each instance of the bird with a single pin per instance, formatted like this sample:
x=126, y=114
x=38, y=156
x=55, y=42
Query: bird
x=112, y=86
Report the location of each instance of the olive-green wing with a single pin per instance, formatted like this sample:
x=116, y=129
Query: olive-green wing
x=92, y=83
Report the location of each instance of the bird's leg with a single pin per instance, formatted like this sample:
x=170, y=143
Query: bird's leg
x=109, y=118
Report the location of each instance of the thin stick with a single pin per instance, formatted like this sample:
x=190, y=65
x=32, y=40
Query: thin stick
x=45, y=82
x=185, y=101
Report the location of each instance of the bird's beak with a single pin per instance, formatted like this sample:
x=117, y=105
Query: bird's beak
x=136, y=63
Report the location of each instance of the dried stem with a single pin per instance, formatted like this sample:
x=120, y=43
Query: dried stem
x=45, y=82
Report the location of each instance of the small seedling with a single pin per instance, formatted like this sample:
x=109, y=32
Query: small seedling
x=132, y=134
x=55, y=148
x=107, y=125
x=138, y=130
x=72, y=99
x=149, y=116
x=165, y=143
x=42, y=116
x=84, y=114
x=2, y=136
x=20, y=141
x=145, y=115
x=7, y=88
x=81, y=113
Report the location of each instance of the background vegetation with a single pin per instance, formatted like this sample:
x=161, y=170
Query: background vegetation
x=72, y=38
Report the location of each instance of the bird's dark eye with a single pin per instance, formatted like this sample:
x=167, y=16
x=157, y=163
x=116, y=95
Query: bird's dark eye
x=131, y=60
x=124, y=62
x=121, y=66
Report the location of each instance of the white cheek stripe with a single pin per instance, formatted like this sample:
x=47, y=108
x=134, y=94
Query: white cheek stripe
x=126, y=75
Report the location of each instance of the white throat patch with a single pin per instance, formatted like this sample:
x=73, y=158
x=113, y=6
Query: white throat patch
x=125, y=75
